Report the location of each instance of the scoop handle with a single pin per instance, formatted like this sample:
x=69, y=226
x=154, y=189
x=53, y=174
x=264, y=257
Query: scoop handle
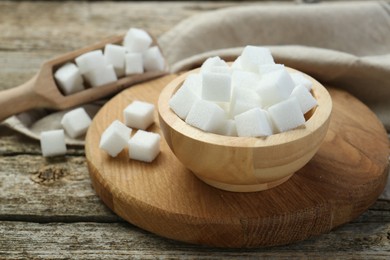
x=18, y=99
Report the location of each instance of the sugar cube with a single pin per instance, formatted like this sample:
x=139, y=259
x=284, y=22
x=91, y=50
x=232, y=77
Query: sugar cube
x=144, y=146
x=139, y=114
x=115, y=55
x=236, y=65
x=101, y=75
x=137, y=40
x=267, y=68
x=182, y=101
x=253, y=123
x=245, y=79
x=253, y=56
x=206, y=116
x=212, y=62
x=69, y=78
x=243, y=99
x=90, y=60
x=287, y=114
x=299, y=79
x=76, y=122
x=228, y=128
x=275, y=87
x=134, y=63
x=153, y=59
x=194, y=82
x=216, y=87
x=304, y=97
x=114, y=139
x=53, y=143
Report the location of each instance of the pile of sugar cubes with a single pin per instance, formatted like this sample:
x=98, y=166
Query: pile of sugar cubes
x=253, y=97
x=143, y=145
x=74, y=123
x=97, y=68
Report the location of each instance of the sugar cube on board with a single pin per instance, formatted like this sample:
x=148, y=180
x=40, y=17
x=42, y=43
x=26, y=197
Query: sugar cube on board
x=245, y=79
x=153, y=59
x=53, y=143
x=212, y=62
x=137, y=40
x=287, y=114
x=216, y=87
x=134, y=63
x=253, y=123
x=90, y=60
x=275, y=87
x=267, y=68
x=206, y=116
x=299, y=79
x=182, y=101
x=76, y=122
x=115, y=55
x=253, y=56
x=139, y=114
x=144, y=146
x=69, y=78
x=100, y=76
x=114, y=139
x=304, y=97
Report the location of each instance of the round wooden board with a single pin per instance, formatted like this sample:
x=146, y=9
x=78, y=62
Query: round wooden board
x=343, y=179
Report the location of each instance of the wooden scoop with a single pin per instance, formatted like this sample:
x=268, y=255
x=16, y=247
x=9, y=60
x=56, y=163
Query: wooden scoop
x=41, y=91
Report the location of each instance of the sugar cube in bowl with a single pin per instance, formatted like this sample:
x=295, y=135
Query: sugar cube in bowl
x=244, y=164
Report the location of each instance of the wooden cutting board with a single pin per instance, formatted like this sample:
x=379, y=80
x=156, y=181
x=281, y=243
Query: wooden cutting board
x=343, y=179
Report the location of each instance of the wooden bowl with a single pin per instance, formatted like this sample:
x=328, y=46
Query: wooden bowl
x=244, y=164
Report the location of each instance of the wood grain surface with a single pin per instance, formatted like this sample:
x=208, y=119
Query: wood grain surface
x=343, y=179
x=48, y=209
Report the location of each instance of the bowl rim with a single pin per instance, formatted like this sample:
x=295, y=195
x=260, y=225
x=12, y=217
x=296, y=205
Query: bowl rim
x=319, y=117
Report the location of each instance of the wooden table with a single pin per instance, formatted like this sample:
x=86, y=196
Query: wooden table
x=48, y=208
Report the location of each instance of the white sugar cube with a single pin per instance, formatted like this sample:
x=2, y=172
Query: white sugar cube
x=245, y=79
x=115, y=55
x=212, y=62
x=304, y=97
x=253, y=56
x=275, y=87
x=267, y=68
x=134, y=63
x=206, y=116
x=194, y=82
x=101, y=75
x=243, y=99
x=139, y=114
x=144, y=146
x=137, y=40
x=182, y=101
x=114, y=139
x=287, y=114
x=228, y=128
x=153, y=59
x=76, y=122
x=90, y=60
x=221, y=69
x=69, y=78
x=299, y=79
x=53, y=143
x=253, y=123
x=216, y=87
x=236, y=65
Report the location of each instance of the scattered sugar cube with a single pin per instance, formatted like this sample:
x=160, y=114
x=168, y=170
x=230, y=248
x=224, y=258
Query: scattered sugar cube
x=253, y=56
x=267, y=68
x=228, y=128
x=212, y=62
x=139, y=114
x=275, y=87
x=134, y=63
x=216, y=87
x=287, y=114
x=53, y=143
x=137, y=40
x=90, y=60
x=182, y=101
x=100, y=76
x=299, y=79
x=253, y=123
x=153, y=59
x=114, y=139
x=69, y=78
x=76, y=122
x=206, y=116
x=115, y=55
x=304, y=97
x=245, y=79
x=243, y=99
x=144, y=146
